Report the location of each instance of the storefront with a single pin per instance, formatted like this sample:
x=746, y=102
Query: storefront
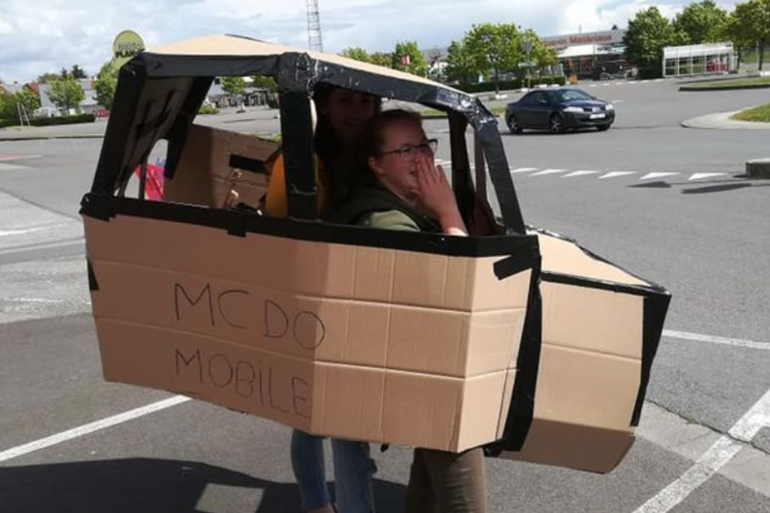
x=705, y=59
x=591, y=55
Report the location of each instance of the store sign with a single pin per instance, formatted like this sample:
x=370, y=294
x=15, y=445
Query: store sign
x=126, y=45
x=610, y=37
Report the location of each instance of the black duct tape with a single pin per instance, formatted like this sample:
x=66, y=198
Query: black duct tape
x=248, y=164
x=655, y=309
x=522, y=408
x=239, y=223
x=93, y=285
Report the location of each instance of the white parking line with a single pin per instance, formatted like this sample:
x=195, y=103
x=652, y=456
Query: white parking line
x=10, y=167
x=90, y=428
x=700, y=176
x=616, y=174
x=650, y=176
x=549, y=172
x=523, y=169
x=717, y=340
x=581, y=173
x=716, y=457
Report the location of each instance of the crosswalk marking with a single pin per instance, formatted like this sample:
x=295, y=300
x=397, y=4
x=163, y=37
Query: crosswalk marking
x=699, y=176
x=581, y=173
x=652, y=176
x=616, y=174
x=523, y=170
x=549, y=172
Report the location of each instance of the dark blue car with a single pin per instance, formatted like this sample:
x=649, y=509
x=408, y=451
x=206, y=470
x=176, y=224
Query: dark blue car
x=558, y=110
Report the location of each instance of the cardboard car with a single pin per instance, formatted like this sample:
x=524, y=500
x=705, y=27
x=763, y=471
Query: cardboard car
x=512, y=339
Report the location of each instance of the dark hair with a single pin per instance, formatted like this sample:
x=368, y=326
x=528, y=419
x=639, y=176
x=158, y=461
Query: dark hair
x=341, y=167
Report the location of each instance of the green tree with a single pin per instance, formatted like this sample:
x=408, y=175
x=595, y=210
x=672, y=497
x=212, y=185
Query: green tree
x=381, y=59
x=495, y=48
x=66, y=93
x=77, y=72
x=27, y=99
x=106, y=83
x=356, y=53
x=648, y=33
x=8, y=107
x=417, y=64
x=263, y=82
x=701, y=22
x=234, y=86
x=460, y=66
x=749, y=25
x=46, y=78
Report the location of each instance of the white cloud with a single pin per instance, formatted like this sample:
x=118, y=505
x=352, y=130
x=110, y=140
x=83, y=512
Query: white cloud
x=45, y=35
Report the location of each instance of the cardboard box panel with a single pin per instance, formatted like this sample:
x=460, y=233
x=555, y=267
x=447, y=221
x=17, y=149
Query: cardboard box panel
x=591, y=319
x=573, y=446
x=562, y=256
x=306, y=268
x=215, y=161
x=343, y=401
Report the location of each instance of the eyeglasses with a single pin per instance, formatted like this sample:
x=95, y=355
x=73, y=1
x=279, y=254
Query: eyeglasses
x=409, y=151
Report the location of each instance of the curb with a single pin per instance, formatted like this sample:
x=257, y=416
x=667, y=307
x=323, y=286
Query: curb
x=48, y=137
x=691, y=89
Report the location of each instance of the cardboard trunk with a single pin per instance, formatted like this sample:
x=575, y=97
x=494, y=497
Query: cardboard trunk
x=599, y=326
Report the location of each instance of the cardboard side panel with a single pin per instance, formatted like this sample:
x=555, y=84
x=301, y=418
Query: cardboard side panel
x=243, y=379
x=482, y=397
x=571, y=446
x=215, y=161
x=588, y=389
x=565, y=257
x=350, y=402
x=510, y=380
x=593, y=320
x=421, y=410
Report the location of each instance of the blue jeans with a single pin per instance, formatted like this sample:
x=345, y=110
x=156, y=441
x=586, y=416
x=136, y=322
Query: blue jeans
x=353, y=471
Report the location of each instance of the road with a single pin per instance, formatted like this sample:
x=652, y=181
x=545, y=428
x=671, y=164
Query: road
x=666, y=202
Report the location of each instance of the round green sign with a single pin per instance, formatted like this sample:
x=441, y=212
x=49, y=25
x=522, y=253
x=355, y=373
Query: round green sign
x=127, y=44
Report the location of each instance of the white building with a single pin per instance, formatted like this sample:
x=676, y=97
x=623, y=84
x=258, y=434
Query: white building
x=704, y=59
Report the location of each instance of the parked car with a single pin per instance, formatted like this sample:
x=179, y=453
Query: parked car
x=558, y=110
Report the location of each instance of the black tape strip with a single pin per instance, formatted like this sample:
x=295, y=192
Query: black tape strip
x=655, y=309
x=93, y=285
x=522, y=409
x=513, y=265
x=248, y=164
x=582, y=281
x=105, y=207
x=297, y=137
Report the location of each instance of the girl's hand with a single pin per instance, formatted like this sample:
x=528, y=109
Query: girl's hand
x=435, y=196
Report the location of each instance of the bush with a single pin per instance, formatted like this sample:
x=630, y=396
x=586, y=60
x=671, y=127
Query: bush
x=507, y=85
x=208, y=109
x=63, y=120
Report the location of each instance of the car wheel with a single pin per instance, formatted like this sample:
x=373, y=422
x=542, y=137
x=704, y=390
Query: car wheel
x=513, y=124
x=603, y=128
x=556, y=124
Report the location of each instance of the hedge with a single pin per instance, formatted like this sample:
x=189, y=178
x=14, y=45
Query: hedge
x=63, y=120
x=508, y=85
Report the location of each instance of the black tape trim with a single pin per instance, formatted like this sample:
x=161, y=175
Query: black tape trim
x=513, y=265
x=239, y=223
x=582, y=281
x=655, y=309
x=522, y=409
x=93, y=284
x=248, y=164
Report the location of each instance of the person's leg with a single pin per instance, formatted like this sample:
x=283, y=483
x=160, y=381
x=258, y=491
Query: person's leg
x=353, y=471
x=307, y=461
x=419, y=492
x=458, y=480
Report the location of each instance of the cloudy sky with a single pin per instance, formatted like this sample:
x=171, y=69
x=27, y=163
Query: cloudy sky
x=38, y=36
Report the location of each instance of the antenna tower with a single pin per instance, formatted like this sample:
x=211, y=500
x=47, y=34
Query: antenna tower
x=314, y=26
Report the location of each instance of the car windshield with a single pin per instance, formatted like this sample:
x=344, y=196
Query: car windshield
x=572, y=95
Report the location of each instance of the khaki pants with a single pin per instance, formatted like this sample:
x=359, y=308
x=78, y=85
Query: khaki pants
x=445, y=482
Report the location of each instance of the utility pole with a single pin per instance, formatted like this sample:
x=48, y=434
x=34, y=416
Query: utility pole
x=315, y=42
